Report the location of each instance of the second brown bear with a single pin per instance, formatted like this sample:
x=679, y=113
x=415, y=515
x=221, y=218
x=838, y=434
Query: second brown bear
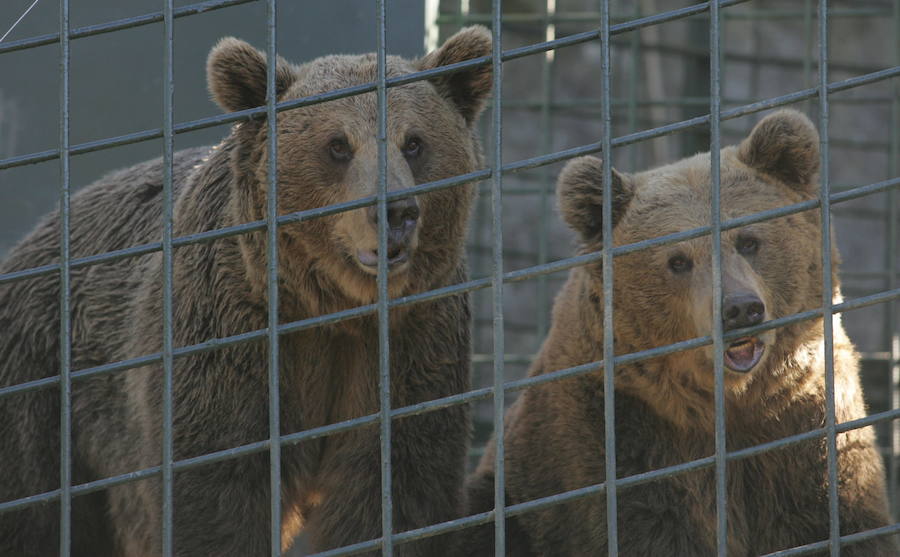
x=664, y=407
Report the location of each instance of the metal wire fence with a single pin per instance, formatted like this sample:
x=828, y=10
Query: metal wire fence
x=616, y=27
x=639, y=100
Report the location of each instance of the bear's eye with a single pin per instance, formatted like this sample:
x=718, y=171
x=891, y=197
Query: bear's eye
x=340, y=149
x=680, y=263
x=412, y=148
x=747, y=245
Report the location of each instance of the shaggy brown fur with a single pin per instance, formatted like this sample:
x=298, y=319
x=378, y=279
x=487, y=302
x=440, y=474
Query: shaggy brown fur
x=331, y=485
x=665, y=407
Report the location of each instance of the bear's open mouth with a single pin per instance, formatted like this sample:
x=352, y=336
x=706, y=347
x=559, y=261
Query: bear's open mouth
x=744, y=353
x=397, y=256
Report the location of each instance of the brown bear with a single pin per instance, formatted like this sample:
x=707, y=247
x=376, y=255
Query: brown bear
x=330, y=485
x=664, y=407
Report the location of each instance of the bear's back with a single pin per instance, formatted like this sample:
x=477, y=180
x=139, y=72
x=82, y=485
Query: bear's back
x=119, y=211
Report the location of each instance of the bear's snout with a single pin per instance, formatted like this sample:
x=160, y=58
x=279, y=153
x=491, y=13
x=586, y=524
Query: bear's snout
x=742, y=310
x=739, y=310
x=401, y=214
x=402, y=220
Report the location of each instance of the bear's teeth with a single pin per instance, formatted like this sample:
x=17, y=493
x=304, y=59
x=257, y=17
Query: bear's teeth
x=743, y=351
x=742, y=354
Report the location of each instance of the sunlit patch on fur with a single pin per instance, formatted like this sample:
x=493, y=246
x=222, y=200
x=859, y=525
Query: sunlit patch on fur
x=291, y=524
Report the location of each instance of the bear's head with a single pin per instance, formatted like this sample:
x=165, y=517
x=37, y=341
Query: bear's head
x=663, y=294
x=328, y=155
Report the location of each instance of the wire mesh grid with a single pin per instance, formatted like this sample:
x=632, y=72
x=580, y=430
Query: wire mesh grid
x=639, y=103
x=620, y=30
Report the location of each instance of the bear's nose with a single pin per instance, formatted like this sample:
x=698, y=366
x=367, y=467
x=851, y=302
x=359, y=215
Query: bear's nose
x=742, y=310
x=401, y=214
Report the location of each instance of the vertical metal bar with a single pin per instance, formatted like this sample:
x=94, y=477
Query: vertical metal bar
x=827, y=287
x=384, y=359
x=65, y=340
x=609, y=371
x=168, y=153
x=497, y=281
x=893, y=324
x=546, y=147
x=715, y=91
x=272, y=280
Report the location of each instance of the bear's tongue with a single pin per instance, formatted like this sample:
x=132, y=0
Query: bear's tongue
x=742, y=354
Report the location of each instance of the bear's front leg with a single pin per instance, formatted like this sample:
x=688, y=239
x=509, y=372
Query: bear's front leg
x=429, y=476
x=426, y=484
x=862, y=495
x=219, y=509
x=223, y=509
x=348, y=492
x=654, y=519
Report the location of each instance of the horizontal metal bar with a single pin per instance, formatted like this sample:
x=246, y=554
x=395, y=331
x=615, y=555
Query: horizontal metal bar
x=884, y=356
x=81, y=489
x=796, y=14
x=219, y=233
x=582, y=103
x=456, y=289
x=355, y=312
x=633, y=25
x=353, y=549
x=254, y=226
x=869, y=275
x=594, y=17
x=630, y=481
x=653, y=475
x=365, y=310
x=701, y=463
x=473, y=520
x=444, y=527
x=470, y=396
x=533, y=183
x=119, y=24
x=845, y=540
x=736, y=112
x=485, y=358
x=517, y=166
x=260, y=111
x=859, y=213
x=533, y=162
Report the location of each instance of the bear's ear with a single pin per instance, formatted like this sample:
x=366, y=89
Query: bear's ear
x=579, y=193
x=784, y=145
x=236, y=75
x=467, y=89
